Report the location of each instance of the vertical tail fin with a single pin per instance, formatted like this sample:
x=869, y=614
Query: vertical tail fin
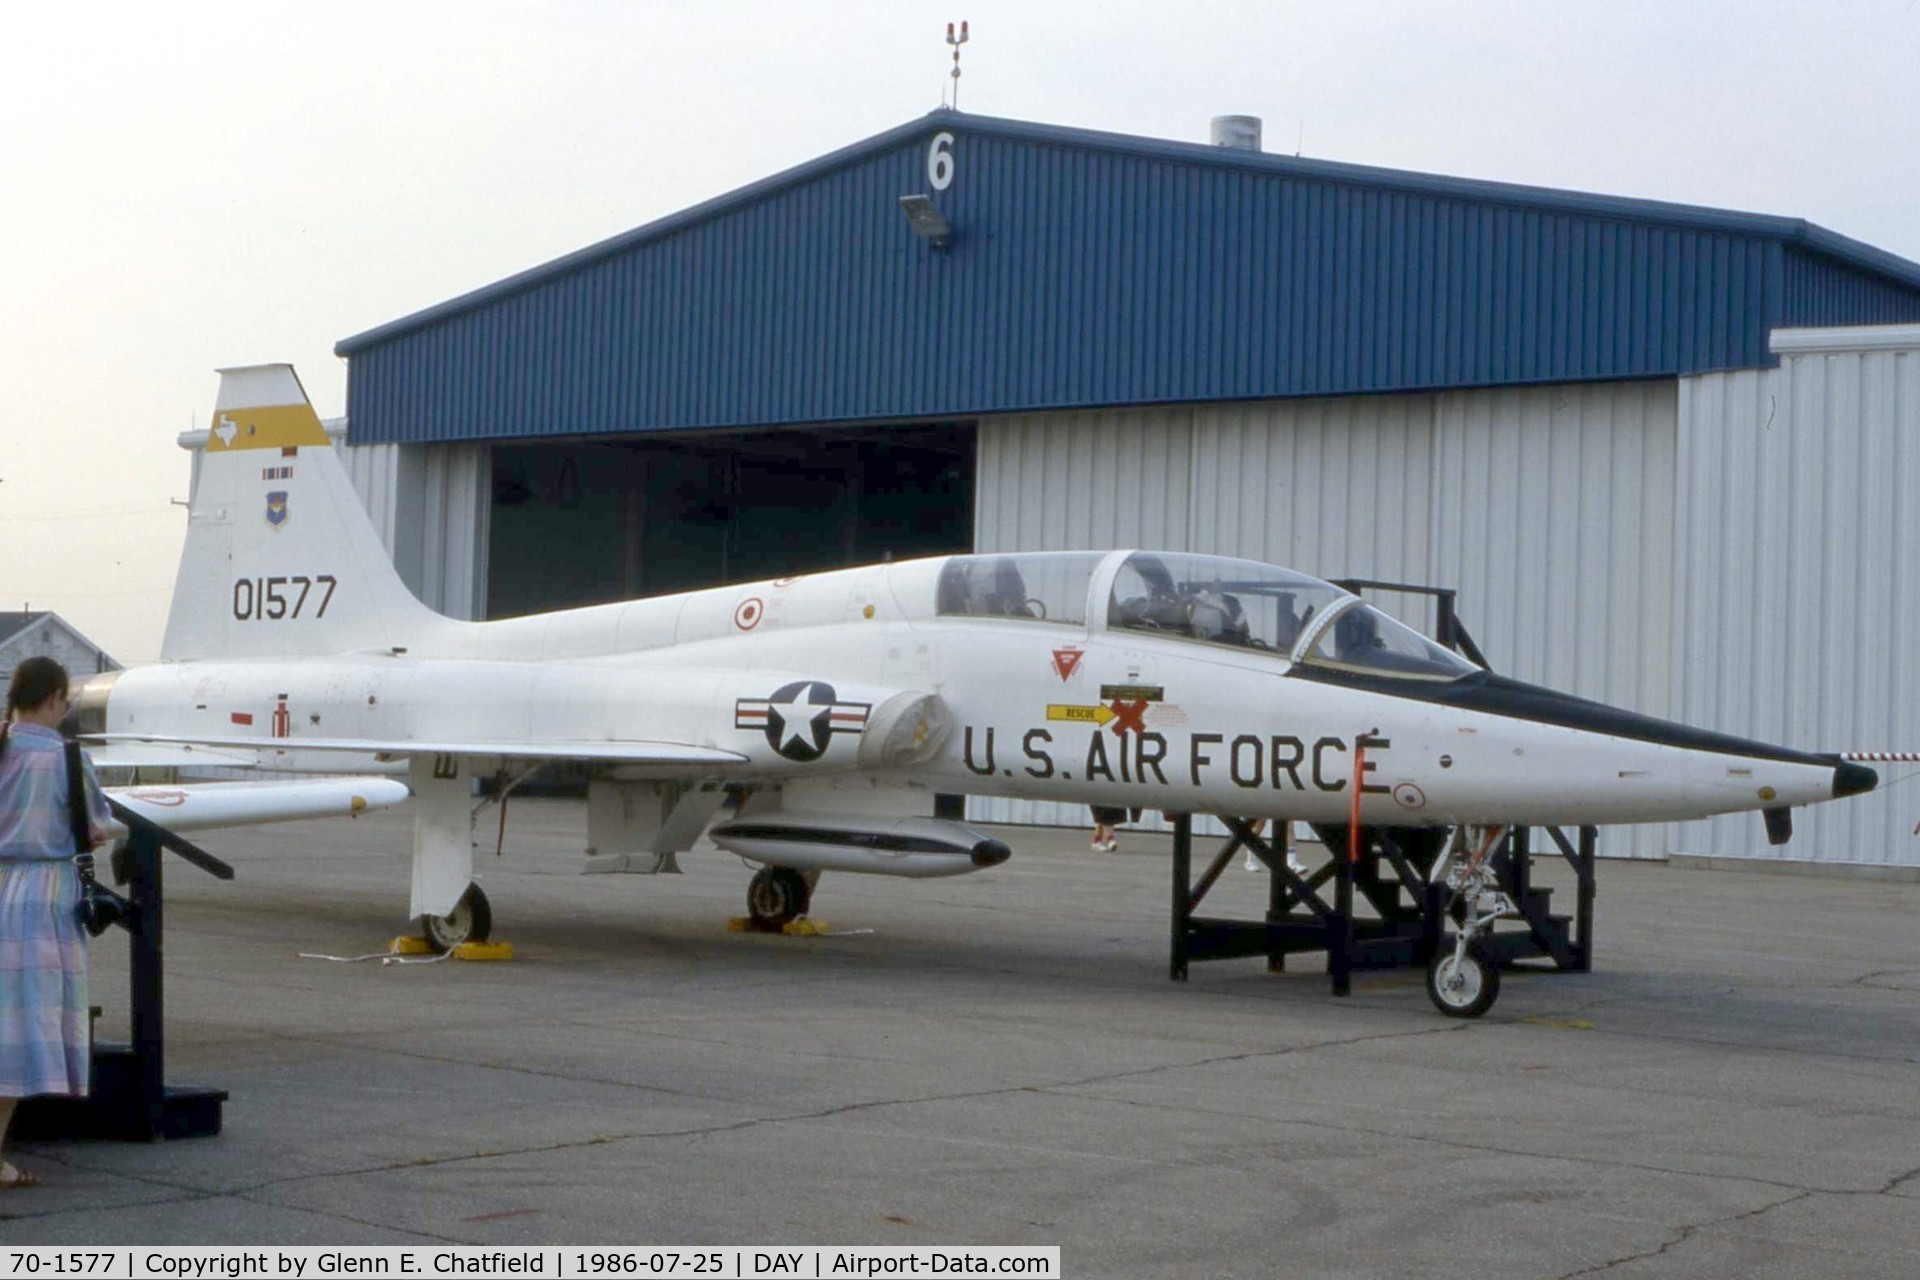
x=280, y=557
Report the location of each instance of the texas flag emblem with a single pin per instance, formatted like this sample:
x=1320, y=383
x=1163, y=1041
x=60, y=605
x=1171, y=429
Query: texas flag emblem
x=277, y=508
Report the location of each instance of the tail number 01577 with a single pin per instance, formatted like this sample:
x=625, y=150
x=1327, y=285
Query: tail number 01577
x=273, y=599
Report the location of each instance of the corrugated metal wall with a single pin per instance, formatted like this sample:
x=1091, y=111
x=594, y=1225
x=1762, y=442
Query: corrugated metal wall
x=1084, y=480
x=1550, y=508
x=1553, y=515
x=1341, y=483
x=1819, y=290
x=1088, y=270
x=1799, y=521
x=375, y=472
x=429, y=505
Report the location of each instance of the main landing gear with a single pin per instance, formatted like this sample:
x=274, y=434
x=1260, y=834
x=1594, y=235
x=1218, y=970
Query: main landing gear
x=471, y=920
x=777, y=895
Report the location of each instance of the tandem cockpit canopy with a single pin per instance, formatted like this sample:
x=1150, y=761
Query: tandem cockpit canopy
x=1247, y=604
x=1211, y=599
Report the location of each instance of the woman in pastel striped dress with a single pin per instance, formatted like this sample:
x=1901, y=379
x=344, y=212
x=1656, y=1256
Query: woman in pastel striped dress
x=43, y=953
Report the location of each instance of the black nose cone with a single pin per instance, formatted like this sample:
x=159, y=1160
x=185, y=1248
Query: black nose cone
x=1853, y=779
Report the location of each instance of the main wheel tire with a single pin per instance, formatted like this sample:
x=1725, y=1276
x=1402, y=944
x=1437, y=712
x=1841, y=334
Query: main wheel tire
x=1465, y=989
x=776, y=895
x=471, y=920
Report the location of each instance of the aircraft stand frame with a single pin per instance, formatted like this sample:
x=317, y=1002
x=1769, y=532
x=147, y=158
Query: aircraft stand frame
x=128, y=1099
x=1409, y=915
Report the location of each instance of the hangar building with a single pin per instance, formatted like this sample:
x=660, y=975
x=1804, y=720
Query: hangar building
x=1668, y=455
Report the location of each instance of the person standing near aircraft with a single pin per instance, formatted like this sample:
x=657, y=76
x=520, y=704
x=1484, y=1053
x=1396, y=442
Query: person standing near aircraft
x=1253, y=862
x=43, y=953
x=1105, y=819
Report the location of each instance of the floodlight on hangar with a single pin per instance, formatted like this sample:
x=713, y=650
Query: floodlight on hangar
x=926, y=221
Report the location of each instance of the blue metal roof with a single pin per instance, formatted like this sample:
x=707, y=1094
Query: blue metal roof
x=1090, y=269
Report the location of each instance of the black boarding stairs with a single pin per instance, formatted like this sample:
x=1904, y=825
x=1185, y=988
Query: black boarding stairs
x=129, y=1099
x=1408, y=915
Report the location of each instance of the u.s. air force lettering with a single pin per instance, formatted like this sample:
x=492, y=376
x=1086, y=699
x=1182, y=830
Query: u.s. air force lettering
x=801, y=718
x=1250, y=761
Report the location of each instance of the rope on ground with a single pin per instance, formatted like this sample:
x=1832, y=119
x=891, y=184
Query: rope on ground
x=384, y=957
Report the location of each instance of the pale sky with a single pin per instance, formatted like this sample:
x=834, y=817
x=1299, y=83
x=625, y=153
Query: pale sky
x=193, y=185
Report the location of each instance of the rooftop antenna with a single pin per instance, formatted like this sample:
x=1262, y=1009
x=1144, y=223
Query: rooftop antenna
x=956, y=42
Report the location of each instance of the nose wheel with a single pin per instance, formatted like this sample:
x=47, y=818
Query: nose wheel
x=1463, y=982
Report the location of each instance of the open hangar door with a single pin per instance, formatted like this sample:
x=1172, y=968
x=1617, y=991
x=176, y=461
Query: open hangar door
x=587, y=522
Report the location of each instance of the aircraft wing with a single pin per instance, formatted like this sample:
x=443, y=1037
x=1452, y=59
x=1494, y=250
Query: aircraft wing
x=626, y=751
x=166, y=755
x=200, y=806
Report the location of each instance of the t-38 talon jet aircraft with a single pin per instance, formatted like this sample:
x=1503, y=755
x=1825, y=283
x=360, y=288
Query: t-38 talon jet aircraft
x=833, y=707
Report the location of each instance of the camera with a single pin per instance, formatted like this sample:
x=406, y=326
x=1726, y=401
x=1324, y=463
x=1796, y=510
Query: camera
x=100, y=908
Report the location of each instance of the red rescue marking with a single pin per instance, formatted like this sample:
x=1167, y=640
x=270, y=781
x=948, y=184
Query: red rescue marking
x=242, y=717
x=1127, y=716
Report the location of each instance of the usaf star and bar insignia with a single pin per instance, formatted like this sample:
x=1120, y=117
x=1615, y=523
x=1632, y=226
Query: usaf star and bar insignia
x=801, y=718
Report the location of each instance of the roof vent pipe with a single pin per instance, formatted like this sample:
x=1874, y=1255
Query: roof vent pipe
x=1242, y=133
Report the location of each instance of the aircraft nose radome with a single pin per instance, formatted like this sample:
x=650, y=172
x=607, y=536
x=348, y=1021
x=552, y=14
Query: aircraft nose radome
x=1852, y=779
x=991, y=853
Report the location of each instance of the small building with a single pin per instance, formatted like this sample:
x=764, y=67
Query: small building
x=42, y=634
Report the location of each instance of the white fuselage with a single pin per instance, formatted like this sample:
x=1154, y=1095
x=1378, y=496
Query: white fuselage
x=1026, y=708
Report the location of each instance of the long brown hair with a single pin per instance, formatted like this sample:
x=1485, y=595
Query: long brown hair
x=34, y=681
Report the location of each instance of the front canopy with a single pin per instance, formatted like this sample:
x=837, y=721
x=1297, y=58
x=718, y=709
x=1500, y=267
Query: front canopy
x=1260, y=606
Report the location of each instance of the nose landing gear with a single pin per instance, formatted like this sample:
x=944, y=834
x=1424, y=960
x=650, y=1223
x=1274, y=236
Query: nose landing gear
x=1465, y=981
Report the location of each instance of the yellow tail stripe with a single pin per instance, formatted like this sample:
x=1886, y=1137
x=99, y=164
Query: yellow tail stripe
x=274, y=427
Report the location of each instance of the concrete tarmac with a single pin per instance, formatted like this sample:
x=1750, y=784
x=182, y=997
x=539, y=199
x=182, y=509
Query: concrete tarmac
x=1001, y=1059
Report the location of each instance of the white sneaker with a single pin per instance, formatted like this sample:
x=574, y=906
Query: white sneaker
x=1294, y=864
x=1253, y=863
